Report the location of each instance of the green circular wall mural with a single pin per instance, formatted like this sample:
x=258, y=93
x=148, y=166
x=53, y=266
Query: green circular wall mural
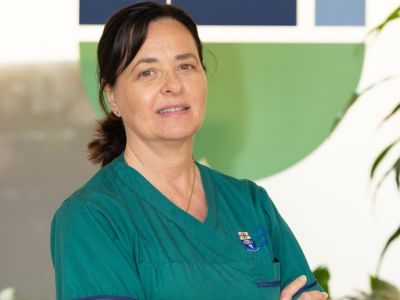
x=269, y=104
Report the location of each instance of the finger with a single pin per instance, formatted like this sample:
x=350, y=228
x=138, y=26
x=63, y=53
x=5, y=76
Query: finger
x=313, y=295
x=293, y=287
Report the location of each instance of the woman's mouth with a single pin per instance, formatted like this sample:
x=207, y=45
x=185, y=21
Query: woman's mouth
x=172, y=109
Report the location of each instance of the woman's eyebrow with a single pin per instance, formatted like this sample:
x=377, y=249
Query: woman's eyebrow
x=148, y=60
x=185, y=56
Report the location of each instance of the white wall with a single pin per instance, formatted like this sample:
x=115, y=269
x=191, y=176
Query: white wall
x=38, y=31
x=327, y=197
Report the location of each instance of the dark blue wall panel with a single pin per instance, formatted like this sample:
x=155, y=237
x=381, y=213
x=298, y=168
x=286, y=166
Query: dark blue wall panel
x=241, y=12
x=99, y=11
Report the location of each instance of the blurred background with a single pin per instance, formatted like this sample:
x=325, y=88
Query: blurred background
x=281, y=75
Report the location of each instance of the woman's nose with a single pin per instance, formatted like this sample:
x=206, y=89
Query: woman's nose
x=173, y=84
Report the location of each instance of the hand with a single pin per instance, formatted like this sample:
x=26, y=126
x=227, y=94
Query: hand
x=289, y=291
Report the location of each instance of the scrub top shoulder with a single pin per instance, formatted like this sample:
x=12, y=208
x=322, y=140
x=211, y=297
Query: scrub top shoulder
x=118, y=237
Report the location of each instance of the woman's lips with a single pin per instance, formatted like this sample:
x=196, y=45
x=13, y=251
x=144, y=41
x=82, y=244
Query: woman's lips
x=175, y=109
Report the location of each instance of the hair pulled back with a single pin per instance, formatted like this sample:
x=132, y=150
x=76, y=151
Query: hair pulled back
x=123, y=35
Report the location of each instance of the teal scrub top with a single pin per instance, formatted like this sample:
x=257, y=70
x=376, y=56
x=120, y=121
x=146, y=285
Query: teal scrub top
x=118, y=237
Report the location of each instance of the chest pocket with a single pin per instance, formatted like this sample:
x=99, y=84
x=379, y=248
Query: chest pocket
x=230, y=280
x=267, y=280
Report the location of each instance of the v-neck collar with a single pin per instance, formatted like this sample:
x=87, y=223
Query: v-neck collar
x=228, y=247
x=133, y=179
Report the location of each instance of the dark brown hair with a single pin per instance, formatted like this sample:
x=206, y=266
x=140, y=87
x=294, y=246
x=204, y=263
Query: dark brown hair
x=123, y=35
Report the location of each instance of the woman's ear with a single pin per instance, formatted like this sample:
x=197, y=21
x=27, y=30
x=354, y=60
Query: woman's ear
x=111, y=99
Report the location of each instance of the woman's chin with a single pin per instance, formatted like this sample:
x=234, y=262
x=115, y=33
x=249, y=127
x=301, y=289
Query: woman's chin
x=178, y=134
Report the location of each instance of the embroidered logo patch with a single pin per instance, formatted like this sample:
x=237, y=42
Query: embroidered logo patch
x=248, y=242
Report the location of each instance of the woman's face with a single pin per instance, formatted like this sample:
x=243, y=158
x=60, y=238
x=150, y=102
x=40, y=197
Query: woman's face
x=161, y=95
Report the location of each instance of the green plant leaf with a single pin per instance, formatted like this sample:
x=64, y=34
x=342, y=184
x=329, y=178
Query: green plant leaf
x=380, y=157
x=360, y=296
x=380, y=290
x=397, y=172
x=322, y=275
x=393, y=237
x=396, y=168
x=339, y=116
x=396, y=109
x=383, y=290
x=355, y=96
x=393, y=16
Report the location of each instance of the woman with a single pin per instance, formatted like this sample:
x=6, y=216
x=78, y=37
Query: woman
x=153, y=223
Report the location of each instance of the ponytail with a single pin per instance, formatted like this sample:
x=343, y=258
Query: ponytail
x=109, y=140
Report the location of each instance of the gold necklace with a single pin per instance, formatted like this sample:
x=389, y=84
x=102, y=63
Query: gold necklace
x=191, y=193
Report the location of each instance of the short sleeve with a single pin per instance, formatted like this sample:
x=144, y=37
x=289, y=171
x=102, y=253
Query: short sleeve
x=286, y=249
x=90, y=262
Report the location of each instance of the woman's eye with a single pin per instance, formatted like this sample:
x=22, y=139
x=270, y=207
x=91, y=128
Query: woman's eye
x=186, y=67
x=146, y=73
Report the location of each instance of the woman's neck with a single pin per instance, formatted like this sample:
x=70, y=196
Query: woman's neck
x=163, y=162
x=170, y=168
